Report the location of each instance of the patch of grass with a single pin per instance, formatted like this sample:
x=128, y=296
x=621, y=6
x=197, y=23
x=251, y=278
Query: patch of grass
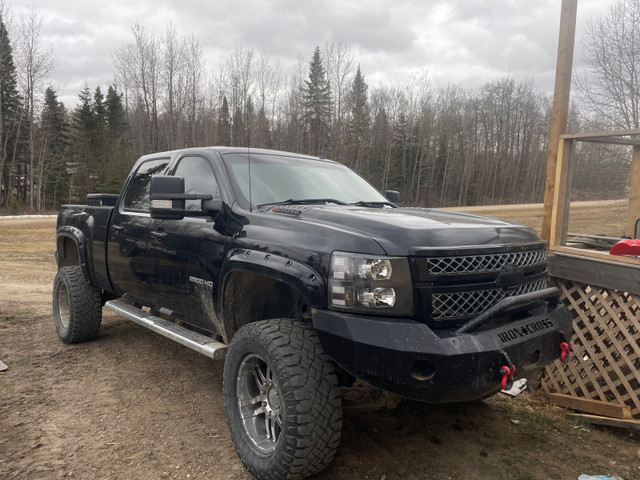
x=14, y=318
x=538, y=421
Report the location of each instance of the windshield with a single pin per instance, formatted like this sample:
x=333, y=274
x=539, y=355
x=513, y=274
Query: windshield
x=278, y=179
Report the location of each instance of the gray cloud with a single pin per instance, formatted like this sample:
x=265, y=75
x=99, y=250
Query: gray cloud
x=459, y=41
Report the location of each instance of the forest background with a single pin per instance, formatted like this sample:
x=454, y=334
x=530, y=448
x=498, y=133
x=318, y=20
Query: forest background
x=440, y=145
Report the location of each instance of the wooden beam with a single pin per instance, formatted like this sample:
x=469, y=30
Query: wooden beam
x=606, y=421
x=611, y=141
x=612, y=133
x=561, y=194
x=634, y=192
x=599, y=272
x=604, y=256
x=560, y=109
x=595, y=407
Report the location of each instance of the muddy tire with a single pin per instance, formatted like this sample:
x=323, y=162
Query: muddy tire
x=282, y=400
x=77, y=306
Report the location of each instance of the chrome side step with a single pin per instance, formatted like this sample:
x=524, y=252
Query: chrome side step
x=195, y=341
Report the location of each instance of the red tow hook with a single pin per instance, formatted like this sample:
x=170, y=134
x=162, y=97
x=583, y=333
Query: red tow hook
x=507, y=376
x=566, y=349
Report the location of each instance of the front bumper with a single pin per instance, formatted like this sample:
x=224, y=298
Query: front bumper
x=408, y=358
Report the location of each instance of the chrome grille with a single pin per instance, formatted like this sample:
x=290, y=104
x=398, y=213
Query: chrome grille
x=484, y=263
x=462, y=304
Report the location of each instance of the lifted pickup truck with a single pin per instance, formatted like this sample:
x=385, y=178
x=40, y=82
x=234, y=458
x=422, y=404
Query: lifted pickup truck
x=305, y=277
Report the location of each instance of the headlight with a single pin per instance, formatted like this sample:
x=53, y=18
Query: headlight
x=370, y=284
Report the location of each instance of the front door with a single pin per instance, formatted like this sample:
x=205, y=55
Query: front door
x=187, y=254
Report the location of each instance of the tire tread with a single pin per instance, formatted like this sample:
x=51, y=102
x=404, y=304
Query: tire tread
x=297, y=353
x=85, y=306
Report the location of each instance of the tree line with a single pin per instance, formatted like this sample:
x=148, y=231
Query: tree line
x=438, y=145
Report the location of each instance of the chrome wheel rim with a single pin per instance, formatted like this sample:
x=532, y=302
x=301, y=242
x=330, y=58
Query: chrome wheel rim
x=259, y=403
x=63, y=304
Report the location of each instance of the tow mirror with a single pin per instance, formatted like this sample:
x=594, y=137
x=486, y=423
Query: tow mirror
x=393, y=196
x=168, y=199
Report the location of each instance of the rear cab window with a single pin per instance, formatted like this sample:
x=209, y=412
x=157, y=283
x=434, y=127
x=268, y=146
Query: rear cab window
x=138, y=197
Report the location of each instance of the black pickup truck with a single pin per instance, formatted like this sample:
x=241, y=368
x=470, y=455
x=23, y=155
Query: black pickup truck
x=303, y=277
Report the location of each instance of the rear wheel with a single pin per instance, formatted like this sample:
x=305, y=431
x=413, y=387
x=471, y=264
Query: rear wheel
x=282, y=400
x=77, y=306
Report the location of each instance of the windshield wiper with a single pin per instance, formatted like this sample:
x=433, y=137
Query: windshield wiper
x=373, y=204
x=305, y=201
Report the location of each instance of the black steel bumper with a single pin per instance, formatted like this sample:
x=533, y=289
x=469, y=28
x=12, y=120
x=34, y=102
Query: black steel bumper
x=408, y=358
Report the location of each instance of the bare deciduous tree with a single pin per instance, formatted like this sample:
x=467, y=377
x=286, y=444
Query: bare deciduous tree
x=611, y=88
x=35, y=62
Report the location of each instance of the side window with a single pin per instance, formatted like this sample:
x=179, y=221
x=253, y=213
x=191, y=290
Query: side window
x=198, y=178
x=138, y=195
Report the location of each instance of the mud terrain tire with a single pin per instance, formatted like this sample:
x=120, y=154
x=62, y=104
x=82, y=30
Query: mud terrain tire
x=77, y=306
x=282, y=400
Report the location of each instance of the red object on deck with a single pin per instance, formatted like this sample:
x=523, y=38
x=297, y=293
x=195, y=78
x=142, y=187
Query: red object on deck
x=626, y=247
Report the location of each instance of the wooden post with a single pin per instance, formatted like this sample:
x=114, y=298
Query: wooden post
x=561, y=194
x=634, y=192
x=560, y=111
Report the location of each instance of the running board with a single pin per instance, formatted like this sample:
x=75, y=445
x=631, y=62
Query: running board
x=195, y=341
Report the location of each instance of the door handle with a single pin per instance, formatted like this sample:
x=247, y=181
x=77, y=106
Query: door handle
x=117, y=228
x=158, y=235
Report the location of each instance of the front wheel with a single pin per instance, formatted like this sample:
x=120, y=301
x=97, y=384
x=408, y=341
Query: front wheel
x=282, y=400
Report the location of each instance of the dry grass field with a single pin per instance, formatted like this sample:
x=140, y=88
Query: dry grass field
x=135, y=405
x=608, y=217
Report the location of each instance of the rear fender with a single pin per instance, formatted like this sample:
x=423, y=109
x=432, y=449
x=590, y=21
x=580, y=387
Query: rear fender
x=72, y=249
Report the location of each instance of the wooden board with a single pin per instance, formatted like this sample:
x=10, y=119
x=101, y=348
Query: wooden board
x=613, y=275
x=596, y=407
x=609, y=422
x=604, y=256
x=561, y=194
x=609, y=134
x=634, y=192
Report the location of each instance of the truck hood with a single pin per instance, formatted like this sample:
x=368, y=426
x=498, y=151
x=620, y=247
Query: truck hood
x=402, y=231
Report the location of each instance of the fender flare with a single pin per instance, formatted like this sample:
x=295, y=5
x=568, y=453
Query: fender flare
x=78, y=237
x=301, y=278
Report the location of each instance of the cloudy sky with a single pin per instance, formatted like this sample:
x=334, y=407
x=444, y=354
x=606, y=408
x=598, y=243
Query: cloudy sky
x=460, y=41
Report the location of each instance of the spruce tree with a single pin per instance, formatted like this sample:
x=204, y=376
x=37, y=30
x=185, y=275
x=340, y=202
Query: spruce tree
x=54, y=128
x=238, y=131
x=114, y=115
x=85, y=163
x=316, y=95
x=10, y=117
x=250, y=115
x=224, y=124
x=358, y=123
x=83, y=118
x=116, y=154
x=262, y=132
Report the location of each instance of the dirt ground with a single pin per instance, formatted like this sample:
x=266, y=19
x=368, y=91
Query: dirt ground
x=135, y=405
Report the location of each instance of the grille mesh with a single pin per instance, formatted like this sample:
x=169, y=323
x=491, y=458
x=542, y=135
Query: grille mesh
x=485, y=263
x=461, y=304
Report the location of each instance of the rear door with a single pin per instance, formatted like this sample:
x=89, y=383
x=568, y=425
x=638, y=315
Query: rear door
x=128, y=239
x=187, y=254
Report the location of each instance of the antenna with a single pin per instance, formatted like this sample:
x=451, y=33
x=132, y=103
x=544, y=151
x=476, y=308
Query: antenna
x=249, y=157
x=249, y=164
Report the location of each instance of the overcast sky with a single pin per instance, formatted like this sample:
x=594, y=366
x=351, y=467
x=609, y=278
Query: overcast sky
x=459, y=41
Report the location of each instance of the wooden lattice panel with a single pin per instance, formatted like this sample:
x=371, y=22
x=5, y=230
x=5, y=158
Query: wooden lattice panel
x=605, y=364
